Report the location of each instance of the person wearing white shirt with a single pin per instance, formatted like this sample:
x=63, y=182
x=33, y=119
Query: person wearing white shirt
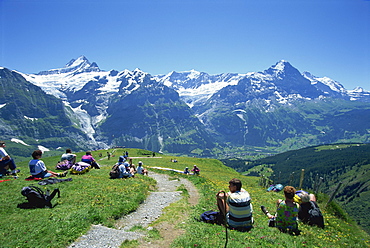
x=6, y=162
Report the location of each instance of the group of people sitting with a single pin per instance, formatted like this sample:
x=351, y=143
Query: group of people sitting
x=296, y=206
x=195, y=170
x=237, y=208
x=38, y=169
x=127, y=169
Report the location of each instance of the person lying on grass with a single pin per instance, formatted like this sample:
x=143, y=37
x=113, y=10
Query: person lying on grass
x=38, y=168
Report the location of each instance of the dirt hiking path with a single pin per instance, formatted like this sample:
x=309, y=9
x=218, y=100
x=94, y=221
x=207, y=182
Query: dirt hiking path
x=150, y=210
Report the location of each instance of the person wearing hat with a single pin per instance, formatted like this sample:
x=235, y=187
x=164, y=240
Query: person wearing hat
x=122, y=159
x=6, y=162
x=140, y=169
x=186, y=171
x=124, y=170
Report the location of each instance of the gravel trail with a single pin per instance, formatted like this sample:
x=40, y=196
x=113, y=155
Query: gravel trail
x=103, y=237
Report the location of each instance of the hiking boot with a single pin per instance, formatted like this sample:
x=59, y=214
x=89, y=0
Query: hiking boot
x=264, y=210
x=14, y=172
x=63, y=174
x=95, y=165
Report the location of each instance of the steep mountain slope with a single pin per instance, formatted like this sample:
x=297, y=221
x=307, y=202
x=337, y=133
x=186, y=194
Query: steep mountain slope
x=26, y=110
x=282, y=107
x=279, y=107
x=125, y=108
x=153, y=116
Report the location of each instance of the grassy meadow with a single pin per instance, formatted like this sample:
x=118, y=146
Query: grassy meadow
x=93, y=198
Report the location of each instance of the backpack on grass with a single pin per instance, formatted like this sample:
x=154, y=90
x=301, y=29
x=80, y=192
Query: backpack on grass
x=64, y=165
x=37, y=198
x=315, y=216
x=80, y=168
x=212, y=217
x=114, y=173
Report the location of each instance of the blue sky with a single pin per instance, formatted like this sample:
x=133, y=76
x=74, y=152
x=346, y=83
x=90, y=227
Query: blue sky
x=325, y=37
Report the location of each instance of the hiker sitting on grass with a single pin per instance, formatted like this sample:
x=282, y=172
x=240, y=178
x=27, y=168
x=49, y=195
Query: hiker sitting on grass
x=88, y=158
x=122, y=159
x=239, y=209
x=69, y=156
x=286, y=215
x=196, y=170
x=6, y=162
x=125, y=170
x=38, y=168
x=141, y=170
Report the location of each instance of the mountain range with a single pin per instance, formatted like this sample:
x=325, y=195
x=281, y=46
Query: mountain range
x=181, y=112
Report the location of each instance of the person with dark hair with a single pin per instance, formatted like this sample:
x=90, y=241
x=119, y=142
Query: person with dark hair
x=88, y=158
x=6, y=162
x=238, y=205
x=141, y=170
x=286, y=214
x=195, y=170
x=69, y=156
x=38, y=168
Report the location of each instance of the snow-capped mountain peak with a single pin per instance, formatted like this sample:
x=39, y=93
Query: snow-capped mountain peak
x=280, y=66
x=359, y=93
x=79, y=65
x=77, y=62
x=332, y=84
x=280, y=69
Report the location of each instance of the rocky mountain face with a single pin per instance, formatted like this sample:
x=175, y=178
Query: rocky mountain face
x=28, y=112
x=191, y=112
x=281, y=106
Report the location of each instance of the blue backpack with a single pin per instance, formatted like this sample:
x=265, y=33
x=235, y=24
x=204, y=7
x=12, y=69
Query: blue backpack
x=212, y=217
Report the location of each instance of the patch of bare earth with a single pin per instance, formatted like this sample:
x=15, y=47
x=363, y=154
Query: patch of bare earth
x=168, y=231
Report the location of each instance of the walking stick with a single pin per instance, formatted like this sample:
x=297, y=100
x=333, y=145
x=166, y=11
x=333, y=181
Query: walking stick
x=224, y=215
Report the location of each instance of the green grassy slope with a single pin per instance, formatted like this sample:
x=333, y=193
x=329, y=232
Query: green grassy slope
x=348, y=164
x=93, y=198
x=215, y=176
x=88, y=199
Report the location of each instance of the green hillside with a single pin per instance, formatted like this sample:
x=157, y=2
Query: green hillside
x=92, y=198
x=344, y=164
